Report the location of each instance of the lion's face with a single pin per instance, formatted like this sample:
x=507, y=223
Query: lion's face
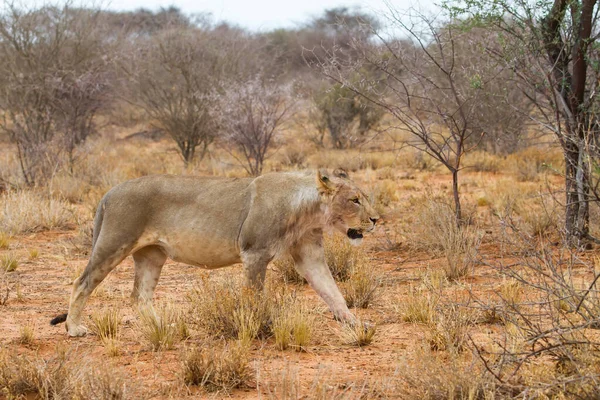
x=350, y=210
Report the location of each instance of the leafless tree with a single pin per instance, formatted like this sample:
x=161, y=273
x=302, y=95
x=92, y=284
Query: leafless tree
x=175, y=75
x=552, y=47
x=250, y=117
x=54, y=77
x=421, y=83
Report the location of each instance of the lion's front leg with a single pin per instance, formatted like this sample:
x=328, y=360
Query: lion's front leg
x=255, y=265
x=310, y=263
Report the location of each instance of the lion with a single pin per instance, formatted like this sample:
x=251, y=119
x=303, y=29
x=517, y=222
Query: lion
x=216, y=222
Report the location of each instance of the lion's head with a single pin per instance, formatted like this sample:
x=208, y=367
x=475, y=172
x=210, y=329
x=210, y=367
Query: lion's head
x=350, y=211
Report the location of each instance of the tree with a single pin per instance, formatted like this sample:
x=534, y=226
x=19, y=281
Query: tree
x=54, y=77
x=421, y=84
x=250, y=116
x=175, y=76
x=553, y=48
x=345, y=115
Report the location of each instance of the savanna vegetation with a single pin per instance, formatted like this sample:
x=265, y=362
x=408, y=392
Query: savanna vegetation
x=473, y=132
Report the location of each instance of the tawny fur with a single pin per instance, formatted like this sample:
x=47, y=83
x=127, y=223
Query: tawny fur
x=215, y=222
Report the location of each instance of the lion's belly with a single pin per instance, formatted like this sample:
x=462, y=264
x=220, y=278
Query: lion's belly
x=202, y=251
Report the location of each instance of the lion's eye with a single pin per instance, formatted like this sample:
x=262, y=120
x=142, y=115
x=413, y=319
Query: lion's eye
x=356, y=201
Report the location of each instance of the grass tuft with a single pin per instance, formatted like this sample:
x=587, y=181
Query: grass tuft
x=215, y=370
x=359, y=334
x=159, y=326
x=9, y=262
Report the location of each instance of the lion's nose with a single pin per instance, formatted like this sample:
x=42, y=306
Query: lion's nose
x=374, y=220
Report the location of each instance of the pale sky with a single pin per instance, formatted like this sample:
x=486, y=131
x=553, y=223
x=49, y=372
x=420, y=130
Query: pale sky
x=259, y=15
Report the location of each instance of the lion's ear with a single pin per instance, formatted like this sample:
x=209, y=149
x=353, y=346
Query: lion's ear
x=324, y=183
x=340, y=173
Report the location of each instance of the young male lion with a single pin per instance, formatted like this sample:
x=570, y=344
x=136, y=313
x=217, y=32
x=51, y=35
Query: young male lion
x=216, y=222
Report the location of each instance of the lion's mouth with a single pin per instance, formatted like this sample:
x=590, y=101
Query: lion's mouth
x=354, y=233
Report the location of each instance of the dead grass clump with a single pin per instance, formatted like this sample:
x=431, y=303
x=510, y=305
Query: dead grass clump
x=9, y=262
x=341, y=256
x=358, y=334
x=293, y=324
x=218, y=370
x=224, y=308
x=159, y=326
x=481, y=161
x=26, y=335
x=285, y=266
x=28, y=211
x=4, y=241
x=539, y=214
x=57, y=378
x=431, y=376
x=383, y=195
x=448, y=330
x=106, y=323
x=419, y=306
x=360, y=289
x=68, y=187
x=437, y=232
x=530, y=163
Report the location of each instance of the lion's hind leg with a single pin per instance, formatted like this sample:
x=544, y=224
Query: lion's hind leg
x=148, y=265
x=102, y=261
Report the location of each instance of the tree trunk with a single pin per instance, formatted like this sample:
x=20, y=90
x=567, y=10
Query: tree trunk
x=577, y=214
x=457, y=207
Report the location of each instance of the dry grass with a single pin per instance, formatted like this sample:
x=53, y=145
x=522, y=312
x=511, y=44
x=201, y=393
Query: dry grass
x=217, y=370
x=419, y=306
x=9, y=262
x=437, y=232
x=67, y=187
x=293, y=324
x=33, y=254
x=57, y=378
x=341, y=256
x=360, y=289
x=224, y=308
x=359, y=334
x=285, y=267
x=431, y=376
x=448, y=331
x=26, y=335
x=158, y=326
x=4, y=241
x=28, y=211
x=105, y=324
x=481, y=161
x=383, y=195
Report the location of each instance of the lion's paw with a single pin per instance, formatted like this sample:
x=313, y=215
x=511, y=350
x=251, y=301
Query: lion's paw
x=76, y=330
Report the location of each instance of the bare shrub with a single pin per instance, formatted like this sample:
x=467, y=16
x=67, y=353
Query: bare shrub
x=217, y=370
x=250, y=116
x=55, y=78
x=28, y=211
x=174, y=76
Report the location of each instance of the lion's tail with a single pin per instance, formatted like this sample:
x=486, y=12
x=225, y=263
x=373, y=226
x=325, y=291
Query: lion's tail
x=95, y=233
